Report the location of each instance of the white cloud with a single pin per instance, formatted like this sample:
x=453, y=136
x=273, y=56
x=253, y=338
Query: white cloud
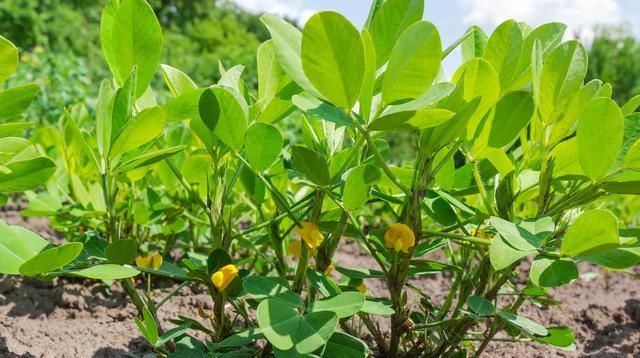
x=580, y=15
x=293, y=9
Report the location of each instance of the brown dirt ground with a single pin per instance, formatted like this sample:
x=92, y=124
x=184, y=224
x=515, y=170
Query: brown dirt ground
x=72, y=318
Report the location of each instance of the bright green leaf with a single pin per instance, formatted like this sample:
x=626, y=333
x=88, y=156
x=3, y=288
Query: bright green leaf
x=264, y=143
x=345, y=304
x=414, y=63
x=51, y=259
x=311, y=164
x=592, y=232
x=389, y=22
x=549, y=272
x=17, y=245
x=600, y=134
x=333, y=57
x=131, y=36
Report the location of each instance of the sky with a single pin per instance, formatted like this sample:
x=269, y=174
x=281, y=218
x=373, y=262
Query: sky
x=453, y=17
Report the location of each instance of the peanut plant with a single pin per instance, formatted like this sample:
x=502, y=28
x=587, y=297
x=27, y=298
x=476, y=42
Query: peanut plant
x=250, y=195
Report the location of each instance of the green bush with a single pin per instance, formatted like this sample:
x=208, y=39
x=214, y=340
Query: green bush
x=512, y=155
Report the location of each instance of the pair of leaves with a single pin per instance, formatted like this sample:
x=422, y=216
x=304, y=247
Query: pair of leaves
x=515, y=241
x=131, y=37
x=22, y=168
x=223, y=113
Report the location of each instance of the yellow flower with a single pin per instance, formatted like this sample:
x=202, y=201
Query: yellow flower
x=295, y=248
x=329, y=270
x=399, y=237
x=153, y=261
x=362, y=288
x=223, y=277
x=310, y=233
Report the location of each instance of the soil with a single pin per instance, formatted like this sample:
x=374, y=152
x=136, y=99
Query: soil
x=73, y=318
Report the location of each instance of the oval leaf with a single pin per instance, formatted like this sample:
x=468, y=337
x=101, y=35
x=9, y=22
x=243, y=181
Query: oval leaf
x=600, y=134
x=333, y=57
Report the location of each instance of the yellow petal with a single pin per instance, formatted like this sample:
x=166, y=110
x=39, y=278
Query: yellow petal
x=397, y=246
x=143, y=261
x=156, y=261
x=295, y=248
x=310, y=233
x=223, y=277
x=362, y=288
x=217, y=279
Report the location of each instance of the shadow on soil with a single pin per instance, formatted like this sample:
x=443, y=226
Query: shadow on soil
x=614, y=334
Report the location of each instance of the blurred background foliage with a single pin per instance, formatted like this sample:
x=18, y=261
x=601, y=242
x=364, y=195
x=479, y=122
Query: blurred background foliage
x=614, y=58
x=59, y=42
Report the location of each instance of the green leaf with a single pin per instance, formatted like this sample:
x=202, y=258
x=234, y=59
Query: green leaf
x=389, y=22
x=357, y=185
x=632, y=159
x=103, y=116
x=481, y=306
x=345, y=304
x=332, y=69
x=172, y=334
x=167, y=269
x=17, y=245
x=270, y=74
x=131, y=36
x=369, y=76
x=474, y=44
x=478, y=80
x=264, y=143
x=122, y=104
x=548, y=272
x=139, y=131
x=503, y=51
x=325, y=285
x=287, y=42
x=345, y=346
x=414, y=120
x=309, y=104
x=512, y=114
x=149, y=328
x=359, y=273
x=121, y=251
x=414, y=63
x=232, y=123
x=565, y=124
x=561, y=77
x=8, y=59
x=503, y=255
x=105, y=272
x=261, y=288
x=16, y=100
x=242, y=338
x=311, y=164
x=549, y=36
x=25, y=174
x=51, y=259
x=561, y=337
x=177, y=81
x=616, y=259
x=524, y=324
x=592, y=232
x=378, y=307
x=148, y=158
x=600, y=134
x=628, y=108
x=15, y=129
x=515, y=235
x=285, y=329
